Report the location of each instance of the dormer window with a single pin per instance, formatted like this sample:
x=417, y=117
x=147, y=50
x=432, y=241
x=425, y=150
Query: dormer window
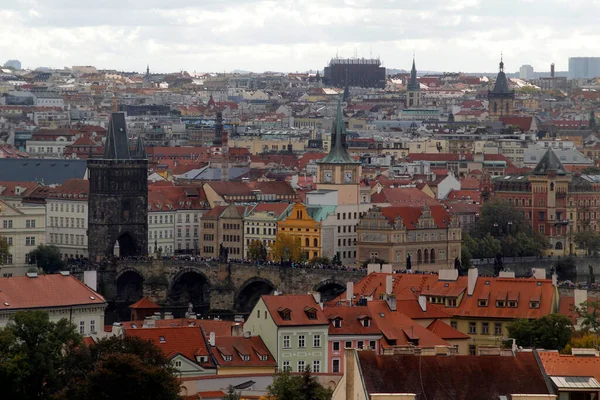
x=337, y=323
x=285, y=314
x=534, y=304
x=227, y=358
x=201, y=359
x=512, y=304
x=366, y=322
x=245, y=358
x=264, y=358
x=311, y=313
x=500, y=303
x=482, y=303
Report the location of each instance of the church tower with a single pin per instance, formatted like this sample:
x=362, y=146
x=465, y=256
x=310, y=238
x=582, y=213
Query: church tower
x=338, y=171
x=501, y=100
x=118, y=199
x=413, y=89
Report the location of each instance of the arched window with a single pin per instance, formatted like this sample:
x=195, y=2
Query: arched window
x=507, y=108
x=432, y=256
x=316, y=242
x=551, y=186
x=307, y=242
x=426, y=256
x=419, y=256
x=559, y=246
x=495, y=107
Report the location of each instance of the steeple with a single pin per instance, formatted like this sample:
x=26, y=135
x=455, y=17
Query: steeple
x=501, y=85
x=140, y=149
x=413, y=83
x=117, y=143
x=550, y=163
x=338, y=153
x=147, y=69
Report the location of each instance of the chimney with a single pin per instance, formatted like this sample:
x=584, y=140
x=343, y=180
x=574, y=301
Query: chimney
x=211, y=339
x=247, y=334
x=390, y=299
x=349, y=291
x=237, y=330
x=117, y=329
x=386, y=268
x=473, y=274
x=373, y=268
x=389, y=284
x=552, y=70
x=539, y=273
x=423, y=302
x=580, y=295
x=90, y=279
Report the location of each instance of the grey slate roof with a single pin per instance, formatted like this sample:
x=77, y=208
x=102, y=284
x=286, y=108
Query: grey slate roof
x=117, y=143
x=46, y=171
x=549, y=163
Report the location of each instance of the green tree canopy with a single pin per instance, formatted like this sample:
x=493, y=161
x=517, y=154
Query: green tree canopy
x=589, y=311
x=4, y=250
x=48, y=258
x=588, y=240
x=550, y=332
x=35, y=355
x=297, y=387
x=286, y=247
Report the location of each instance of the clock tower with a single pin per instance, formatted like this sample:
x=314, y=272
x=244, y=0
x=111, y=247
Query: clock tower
x=338, y=171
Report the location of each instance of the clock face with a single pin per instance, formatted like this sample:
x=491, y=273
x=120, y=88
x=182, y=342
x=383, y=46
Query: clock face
x=328, y=176
x=348, y=176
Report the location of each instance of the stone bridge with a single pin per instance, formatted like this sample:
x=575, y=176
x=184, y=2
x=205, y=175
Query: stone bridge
x=214, y=287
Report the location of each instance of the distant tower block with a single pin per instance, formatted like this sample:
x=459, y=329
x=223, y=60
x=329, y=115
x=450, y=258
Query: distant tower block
x=552, y=70
x=118, y=200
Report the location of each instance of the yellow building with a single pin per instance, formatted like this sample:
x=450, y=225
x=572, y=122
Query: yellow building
x=300, y=224
x=258, y=145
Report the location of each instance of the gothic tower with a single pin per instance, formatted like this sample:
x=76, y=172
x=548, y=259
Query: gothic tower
x=338, y=170
x=413, y=89
x=501, y=99
x=118, y=199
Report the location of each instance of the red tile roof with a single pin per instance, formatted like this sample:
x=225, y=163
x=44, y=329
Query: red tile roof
x=189, y=342
x=297, y=305
x=52, y=290
x=523, y=123
x=410, y=215
x=564, y=365
x=72, y=189
x=9, y=189
x=220, y=328
x=399, y=328
x=351, y=320
x=445, y=331
x=238, y=346
x=145, y=304
x=460, y=377
x=400, y=196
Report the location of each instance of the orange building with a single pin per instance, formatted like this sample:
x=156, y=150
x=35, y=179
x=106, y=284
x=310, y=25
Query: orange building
x=300, y=224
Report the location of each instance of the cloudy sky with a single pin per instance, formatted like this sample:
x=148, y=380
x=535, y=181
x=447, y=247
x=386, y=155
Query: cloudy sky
x=297, y=35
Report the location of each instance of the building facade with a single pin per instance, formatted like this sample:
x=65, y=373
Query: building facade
x=501, y=99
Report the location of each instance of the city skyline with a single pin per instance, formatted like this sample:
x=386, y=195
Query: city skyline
x=467, y=35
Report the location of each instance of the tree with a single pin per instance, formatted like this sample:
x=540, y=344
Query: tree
x=4, y=250
x=566, y=268
x=122, y=367
x=35, y=355
x=286, y=247
x=581, y=340
x=299, y=387
x=232, y=394
x=589, y=311
x=48, y=258
x=255, y=250
x=550, y=332
x=588, y=240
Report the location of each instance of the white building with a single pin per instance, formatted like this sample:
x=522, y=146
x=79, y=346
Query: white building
x=67, y=218
x=23, y=226
x=50, y=143
x=49, y=99
x=526, y=72
x=61, y=295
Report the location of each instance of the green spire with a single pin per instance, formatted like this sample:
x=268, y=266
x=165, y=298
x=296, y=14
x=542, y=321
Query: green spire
x=338, y=153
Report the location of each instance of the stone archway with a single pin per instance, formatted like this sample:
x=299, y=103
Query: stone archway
x=250, y=292
x=129, y=286
x=330, y=289
x=189, y=286
x=125, y=246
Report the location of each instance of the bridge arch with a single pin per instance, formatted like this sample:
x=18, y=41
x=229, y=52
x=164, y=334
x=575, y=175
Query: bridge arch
x=130, y=284
x=330, y=289
x=250, y=292
x=189, y=285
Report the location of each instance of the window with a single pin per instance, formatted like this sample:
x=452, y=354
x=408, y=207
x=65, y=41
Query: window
x=316, y=366
x=92, y=326
x=7, y=223
x=301, y=341
x=472, y=327
x=30, y=223
x=286, y=366
x=485, y=328
x=336, y=346
x=178, y=364
x=257, y=313
x=451, y=302
x=81, y=327
x=337, y=323
x=317, y=341
x=372, y=344
x=534, y=304
x=9, y=240
x=497, y=328
x=512, y=304
x=335, y=366
x=301, y=367
x=348, y=345
x=30, y=241
x=286, y=342
x=453, y=324
x=472, y=350
x=360, y=344
x=500, y=303
x=483, y=303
